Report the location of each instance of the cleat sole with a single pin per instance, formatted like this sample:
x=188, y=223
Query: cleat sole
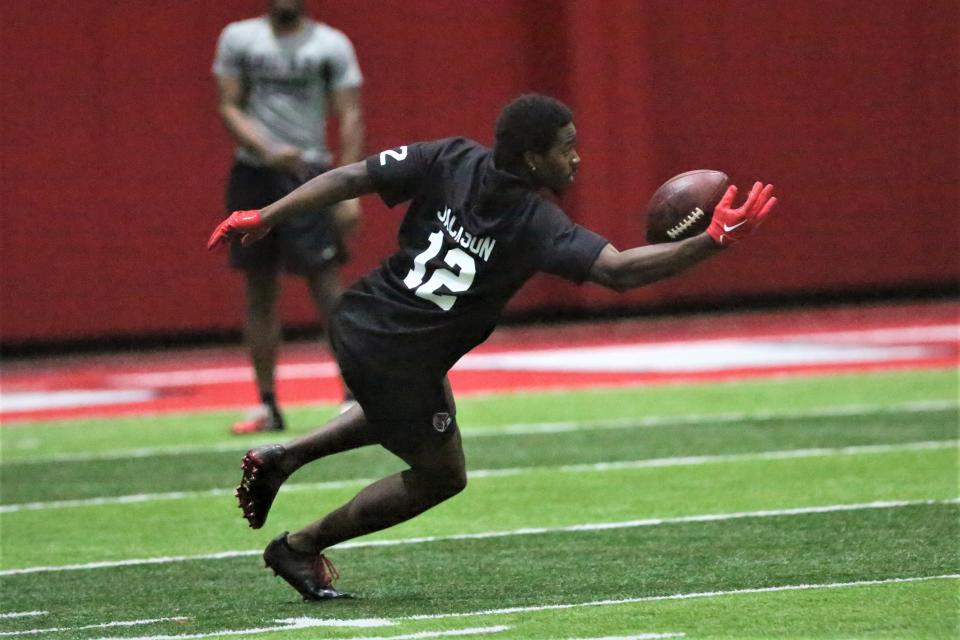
x=260, y=483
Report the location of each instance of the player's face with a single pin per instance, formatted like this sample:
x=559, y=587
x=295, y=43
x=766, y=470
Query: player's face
x=557, y=168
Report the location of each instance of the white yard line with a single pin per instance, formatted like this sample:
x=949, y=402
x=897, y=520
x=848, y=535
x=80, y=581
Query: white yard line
x=528, y=428
x=733, y=417
x=600, y=526
x=22, y=614
x=681, y=461
x=642, y=636
x=679, y=596
x=730, y=351
x=721, y=355
x=309, y=623
x=511, y=471
x=105, y=625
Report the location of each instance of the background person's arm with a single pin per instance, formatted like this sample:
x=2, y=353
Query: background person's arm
x=346, y=106
x=245, y=131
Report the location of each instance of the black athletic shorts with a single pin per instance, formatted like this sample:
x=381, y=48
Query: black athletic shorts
x=303, y=245
x=404, y=408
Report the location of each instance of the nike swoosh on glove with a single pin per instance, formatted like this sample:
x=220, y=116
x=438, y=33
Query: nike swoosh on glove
x=731, y=225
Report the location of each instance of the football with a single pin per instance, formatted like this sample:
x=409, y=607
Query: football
x=683, y=205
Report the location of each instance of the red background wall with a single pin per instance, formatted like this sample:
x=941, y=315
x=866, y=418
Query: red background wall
x=114, y=158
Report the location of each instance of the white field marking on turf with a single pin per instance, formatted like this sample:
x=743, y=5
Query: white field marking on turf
x=286, y=624
x=308, y=623
x=689, y=357
x=917, y=406
x=105, y=625
x=790, y=348
x=505, y=472
x=650, y=522
x=786, y=454
x=932, y=333
x=642, y=636
x=368, y=623
x=12, y=401
x=531, y=428
x=682, y=461
x=22, y=614
x=724, y=354
x=600, y=526
x=679, y=596
x=222, y=375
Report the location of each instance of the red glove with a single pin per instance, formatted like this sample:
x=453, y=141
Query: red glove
x=247, y=225
x=731, y=225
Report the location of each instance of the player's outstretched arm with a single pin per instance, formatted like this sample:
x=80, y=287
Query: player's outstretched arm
x=343, y=183
x=624, y=270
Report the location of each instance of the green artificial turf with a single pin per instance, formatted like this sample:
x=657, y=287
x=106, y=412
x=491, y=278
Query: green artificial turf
x=656, y=462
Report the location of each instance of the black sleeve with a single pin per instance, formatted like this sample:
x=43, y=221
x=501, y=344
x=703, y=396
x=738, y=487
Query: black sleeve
x=399, y=173
x=562, y=247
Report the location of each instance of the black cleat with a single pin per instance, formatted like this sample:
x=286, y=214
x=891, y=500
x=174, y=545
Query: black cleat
x=311, y=574
x=262, y=477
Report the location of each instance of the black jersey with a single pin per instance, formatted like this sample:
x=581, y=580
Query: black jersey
x=471, y=237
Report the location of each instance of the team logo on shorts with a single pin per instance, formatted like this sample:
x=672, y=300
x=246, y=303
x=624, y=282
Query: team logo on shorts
x=442, y=421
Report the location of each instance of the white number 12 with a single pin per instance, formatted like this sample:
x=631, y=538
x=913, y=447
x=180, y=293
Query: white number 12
x=454, y=282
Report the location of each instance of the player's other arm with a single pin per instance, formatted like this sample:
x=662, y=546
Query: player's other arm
x=624, y=270
x=343, y=183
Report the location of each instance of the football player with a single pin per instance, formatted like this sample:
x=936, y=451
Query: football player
x=478, y=226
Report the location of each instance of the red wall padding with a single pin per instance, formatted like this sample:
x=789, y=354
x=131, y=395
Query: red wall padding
x=114, y=157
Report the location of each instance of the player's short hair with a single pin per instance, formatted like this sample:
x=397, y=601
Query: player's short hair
x=528, y=123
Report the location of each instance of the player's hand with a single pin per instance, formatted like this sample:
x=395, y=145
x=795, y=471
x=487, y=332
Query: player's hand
x=246, y=225
x=731, y=225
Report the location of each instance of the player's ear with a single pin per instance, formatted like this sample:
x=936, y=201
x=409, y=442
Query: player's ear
x=530, y=161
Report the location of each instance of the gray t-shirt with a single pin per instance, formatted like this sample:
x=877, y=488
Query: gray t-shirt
x=287, y=79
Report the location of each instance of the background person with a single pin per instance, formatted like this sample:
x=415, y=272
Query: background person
x=279, y=75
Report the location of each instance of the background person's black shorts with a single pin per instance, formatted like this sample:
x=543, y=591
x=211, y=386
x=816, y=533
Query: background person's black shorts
x=303, y=245
x=404, y=408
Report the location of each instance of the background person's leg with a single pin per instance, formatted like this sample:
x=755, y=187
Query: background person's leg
x=252, y=187
x=325, y=290
x=262, y=334
x=324, y=286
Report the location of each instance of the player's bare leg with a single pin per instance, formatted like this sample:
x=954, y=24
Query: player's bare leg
x=437, y=472
x=342, y=433
x=267, y=467
x=262, y=334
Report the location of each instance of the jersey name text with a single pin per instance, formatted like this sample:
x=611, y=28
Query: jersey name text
x=477, y=245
